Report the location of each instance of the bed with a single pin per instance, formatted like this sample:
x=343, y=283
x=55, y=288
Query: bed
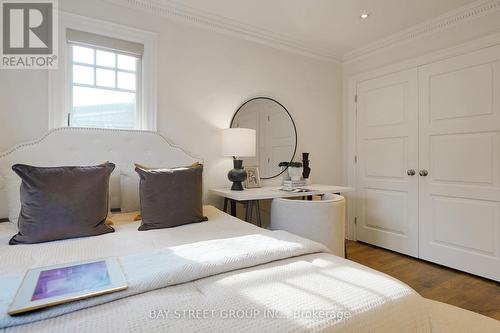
x=215, y=276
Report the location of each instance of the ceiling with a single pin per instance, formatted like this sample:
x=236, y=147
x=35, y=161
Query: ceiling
x=331, y=27
x=328, y=29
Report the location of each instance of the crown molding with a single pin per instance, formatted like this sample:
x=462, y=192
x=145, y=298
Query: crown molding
x=175, y=10
x=458, y=16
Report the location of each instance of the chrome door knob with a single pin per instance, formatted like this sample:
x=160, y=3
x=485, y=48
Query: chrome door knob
x=423, y=173
x=410, y=172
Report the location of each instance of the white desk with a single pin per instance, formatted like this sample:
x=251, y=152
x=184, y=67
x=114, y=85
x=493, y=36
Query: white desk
x=250, y=197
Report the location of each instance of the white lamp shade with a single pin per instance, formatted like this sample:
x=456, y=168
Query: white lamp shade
x=240, y=142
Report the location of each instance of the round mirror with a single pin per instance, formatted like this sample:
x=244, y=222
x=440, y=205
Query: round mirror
x=276, y=134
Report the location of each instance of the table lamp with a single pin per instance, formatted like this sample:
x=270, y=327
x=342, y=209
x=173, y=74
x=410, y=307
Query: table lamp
x=238, y=142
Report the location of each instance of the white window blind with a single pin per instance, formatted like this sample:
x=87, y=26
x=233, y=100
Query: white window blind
x=94, y=40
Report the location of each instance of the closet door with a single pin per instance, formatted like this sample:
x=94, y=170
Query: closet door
x=387, y=152
x=459, y=222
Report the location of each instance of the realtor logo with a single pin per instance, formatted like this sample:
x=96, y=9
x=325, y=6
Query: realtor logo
x=28, y=34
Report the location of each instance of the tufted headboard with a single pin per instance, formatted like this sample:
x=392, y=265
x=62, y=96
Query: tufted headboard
x=88, y=146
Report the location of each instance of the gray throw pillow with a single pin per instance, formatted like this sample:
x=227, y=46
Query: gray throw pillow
x=62, y=202
x=170, y=197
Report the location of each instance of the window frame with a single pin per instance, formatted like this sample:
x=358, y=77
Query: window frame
x=137, y=72
x=60, y=80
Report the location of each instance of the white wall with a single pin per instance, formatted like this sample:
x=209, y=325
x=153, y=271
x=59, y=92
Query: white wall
x=464, y=31
x=203, y=77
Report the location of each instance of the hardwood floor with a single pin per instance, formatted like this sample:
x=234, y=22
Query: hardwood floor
x=431, y=280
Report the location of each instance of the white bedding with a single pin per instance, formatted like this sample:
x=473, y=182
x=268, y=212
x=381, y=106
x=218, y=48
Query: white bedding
x=321, y=285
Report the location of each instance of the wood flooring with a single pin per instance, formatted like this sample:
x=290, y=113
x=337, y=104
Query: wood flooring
x=431, y=280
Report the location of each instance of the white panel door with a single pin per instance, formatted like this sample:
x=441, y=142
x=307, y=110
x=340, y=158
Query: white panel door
x=280, y=139
x=387, y=152
x=459, y=149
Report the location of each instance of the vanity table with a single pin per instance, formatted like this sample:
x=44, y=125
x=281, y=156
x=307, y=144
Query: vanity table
x=250, y=197
x=276, y=136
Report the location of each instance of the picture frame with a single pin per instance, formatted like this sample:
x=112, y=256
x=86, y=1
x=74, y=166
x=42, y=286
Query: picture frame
x=253, y=177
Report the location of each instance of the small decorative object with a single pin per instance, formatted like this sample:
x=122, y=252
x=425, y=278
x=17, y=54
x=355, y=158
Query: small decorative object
x=295, y=171
x=295, y=184
x=253, y=178
x=238, y=142
x=305, y=161
x=284, y=166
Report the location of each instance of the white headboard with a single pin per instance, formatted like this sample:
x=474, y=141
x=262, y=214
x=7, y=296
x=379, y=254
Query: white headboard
x=89, y=146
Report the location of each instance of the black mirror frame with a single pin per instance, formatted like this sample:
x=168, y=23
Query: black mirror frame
x=289, y=115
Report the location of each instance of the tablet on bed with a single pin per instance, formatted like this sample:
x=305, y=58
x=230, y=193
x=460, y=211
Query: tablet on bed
x=48, y=286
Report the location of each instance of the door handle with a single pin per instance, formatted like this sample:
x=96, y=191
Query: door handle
x=410, y=172
x=423, y=173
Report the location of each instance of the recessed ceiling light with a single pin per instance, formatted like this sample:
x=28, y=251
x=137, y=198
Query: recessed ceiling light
x=364, y=16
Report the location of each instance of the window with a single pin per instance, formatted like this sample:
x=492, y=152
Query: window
x=105, y=77
x=104, y=88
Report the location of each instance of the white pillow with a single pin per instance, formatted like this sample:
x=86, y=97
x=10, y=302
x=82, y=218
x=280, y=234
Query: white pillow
x=129, y=187
x=114, y=189
x=12, y=188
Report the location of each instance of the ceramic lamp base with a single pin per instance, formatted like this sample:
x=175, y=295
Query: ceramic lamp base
x=237, y=175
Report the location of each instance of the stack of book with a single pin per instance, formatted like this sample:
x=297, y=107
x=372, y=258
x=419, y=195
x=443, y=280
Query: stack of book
x=295, y=183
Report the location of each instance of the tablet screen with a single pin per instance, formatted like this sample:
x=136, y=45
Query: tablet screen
x=71, y=279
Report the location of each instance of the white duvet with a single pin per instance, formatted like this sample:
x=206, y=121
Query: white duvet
x=282, y=289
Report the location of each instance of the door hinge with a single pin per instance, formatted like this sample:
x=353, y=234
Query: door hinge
x=69, y=120
x=355, y=220
x=355, y=158
x=268, y=118
x=356, y=98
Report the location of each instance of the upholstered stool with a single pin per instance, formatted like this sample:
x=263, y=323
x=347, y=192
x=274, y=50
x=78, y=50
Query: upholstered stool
x=322, y=220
